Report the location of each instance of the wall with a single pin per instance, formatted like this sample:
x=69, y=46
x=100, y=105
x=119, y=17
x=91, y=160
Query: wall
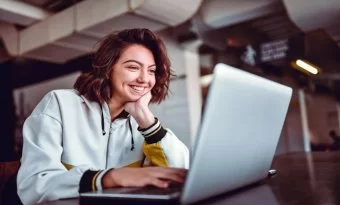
x=322, y=117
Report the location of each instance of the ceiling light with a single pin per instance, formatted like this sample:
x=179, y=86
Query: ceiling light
x=307, y=67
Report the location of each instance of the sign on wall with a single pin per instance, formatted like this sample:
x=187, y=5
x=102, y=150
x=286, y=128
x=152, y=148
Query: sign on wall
x=274, y=50
x=282, y=49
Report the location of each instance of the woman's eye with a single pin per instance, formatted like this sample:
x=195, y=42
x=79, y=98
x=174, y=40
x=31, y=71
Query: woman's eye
x=152, y=71
x=133, y=67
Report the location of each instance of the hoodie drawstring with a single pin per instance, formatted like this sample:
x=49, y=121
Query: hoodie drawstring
x=132, y=141
x=103, y=128
x=130, y=127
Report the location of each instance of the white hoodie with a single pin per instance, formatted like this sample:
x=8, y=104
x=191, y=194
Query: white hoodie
x=67, y=135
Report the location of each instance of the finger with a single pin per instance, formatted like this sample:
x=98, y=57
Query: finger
x=158, y=183
x=147, y=97
x=166, y=172
x=148, y=94
x=184, y=172
x=179, y=171
x=174, y=176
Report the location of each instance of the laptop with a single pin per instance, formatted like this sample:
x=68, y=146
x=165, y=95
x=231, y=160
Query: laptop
x=236, y=143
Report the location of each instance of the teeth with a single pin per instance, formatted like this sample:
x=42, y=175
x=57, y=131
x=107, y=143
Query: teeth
x=138, y=88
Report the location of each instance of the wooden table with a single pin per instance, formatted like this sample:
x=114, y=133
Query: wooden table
x=302, y=178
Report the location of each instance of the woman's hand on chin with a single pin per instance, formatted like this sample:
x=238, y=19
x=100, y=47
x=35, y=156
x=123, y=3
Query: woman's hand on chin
x=140, y=111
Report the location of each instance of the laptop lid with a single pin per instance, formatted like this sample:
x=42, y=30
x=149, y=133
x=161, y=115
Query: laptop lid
x=239, y=133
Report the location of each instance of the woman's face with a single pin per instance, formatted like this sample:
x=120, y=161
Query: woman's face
x=133, y=75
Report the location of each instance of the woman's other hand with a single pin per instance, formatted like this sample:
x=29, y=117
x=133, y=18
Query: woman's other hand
x=140, y=111
x=140, y=177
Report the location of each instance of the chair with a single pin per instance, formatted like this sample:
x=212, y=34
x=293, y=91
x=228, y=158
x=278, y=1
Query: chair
x=8, y=186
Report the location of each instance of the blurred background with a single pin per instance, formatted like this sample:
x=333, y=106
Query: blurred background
x=46, y=44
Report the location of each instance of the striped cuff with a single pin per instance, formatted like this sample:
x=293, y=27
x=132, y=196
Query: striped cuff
x=154, y=133
x=88, y=181
x=149, y=129
x=99, y=179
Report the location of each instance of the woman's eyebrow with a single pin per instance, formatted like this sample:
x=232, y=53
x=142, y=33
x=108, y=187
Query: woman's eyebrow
x=134, y=61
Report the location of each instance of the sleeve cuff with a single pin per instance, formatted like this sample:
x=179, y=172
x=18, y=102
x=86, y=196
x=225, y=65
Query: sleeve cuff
x=99, y=179
x=149, y=129
x=88, y=181
x=154, y=133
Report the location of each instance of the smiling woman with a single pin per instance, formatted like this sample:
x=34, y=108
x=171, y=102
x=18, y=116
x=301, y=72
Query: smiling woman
x=132, y=79
x=102, y=134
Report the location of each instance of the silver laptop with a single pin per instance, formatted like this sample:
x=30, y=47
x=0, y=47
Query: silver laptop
x=237, y=139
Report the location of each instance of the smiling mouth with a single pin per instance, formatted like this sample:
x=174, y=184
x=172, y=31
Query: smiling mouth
x=139, y=89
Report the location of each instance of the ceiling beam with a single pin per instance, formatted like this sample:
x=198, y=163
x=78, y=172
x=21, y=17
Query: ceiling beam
x=21, y=13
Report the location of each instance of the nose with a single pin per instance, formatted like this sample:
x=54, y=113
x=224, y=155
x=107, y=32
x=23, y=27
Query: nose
x=143, y=76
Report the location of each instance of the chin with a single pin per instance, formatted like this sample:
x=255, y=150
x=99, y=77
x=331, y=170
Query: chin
x=132, y=98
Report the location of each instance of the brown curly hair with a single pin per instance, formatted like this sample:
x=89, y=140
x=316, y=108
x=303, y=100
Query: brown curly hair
x=96, y=86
